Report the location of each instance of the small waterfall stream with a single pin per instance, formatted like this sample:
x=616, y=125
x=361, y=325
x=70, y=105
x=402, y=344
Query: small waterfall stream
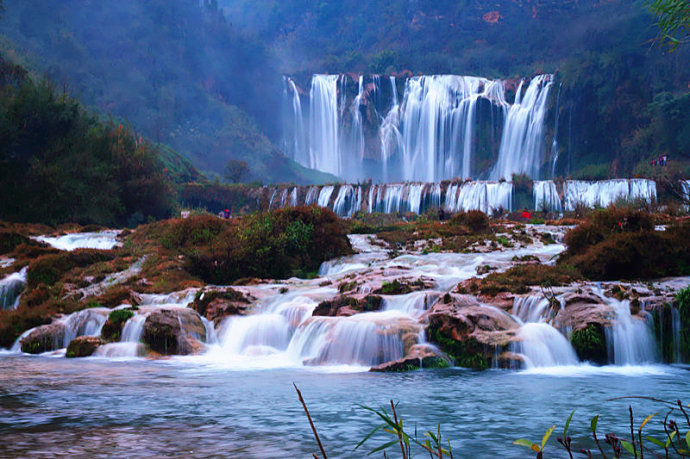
x=11, y=288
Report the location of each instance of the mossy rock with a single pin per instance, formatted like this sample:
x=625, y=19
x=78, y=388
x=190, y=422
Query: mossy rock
x=9, y=240
x=112, y=328
x=83, y=346
x=467, y=353
x=44, y=338
x=590, y=343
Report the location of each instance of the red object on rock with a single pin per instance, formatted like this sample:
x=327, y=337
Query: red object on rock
x=526, y=214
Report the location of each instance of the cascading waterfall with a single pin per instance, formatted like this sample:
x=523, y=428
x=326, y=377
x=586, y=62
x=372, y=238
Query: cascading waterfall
x=523, y=133
x=130, y=340
x=606, y=192
x=324, y=138
x=630, y=340
x=429, y=134
x=11, y=288
x=103, y=240
x=540, y=344
x=546, y=196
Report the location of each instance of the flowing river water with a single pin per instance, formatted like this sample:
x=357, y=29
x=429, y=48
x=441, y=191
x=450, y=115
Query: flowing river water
x=236, y=398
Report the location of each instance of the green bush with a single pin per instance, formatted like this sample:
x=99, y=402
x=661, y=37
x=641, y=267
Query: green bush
x=276, y=244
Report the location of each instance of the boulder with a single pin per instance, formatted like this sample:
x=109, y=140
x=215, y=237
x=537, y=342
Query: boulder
x=419, y=356
x=44, y=338
x=83, y=346
x=345, y=305
x=470, y=333
x=218, y=304
x=174, y=331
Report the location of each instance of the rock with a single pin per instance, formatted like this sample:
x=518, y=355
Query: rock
x=589, y=343
x=403, y=286
x=469, y=332
x=83, y=346
x=218, y=304
x=44, y=338
x=174, y=331
x=344, y=305
x=419, y=356
x=112, y=328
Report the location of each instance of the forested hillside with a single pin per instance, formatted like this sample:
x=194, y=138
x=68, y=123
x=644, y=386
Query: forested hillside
x=204, y=77
x=623, y=97
x=59, y=163
x=175, y=70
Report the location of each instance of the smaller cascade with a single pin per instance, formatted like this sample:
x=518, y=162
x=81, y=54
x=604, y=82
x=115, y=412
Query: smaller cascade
x=348, y=201
x=541, y=345
x=130, y=342
x=325, y=196
x=675, y=330
x=11, y=288
x=103, y=240
x=293, y=197
x=312, y=195
x=489, y=197
x=87, y=322
x=607, y=192
x=630, y=340
x=546, y=196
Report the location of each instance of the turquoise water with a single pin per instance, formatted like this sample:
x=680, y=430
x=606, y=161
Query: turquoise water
x=97, y=407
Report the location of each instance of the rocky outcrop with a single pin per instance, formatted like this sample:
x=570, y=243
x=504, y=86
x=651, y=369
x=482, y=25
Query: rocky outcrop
x=174, y=331
x=44, y=338
x=218, y=304
x=470, y=333
x=112, y=328
x=420, y=356
x=83, y=346
x=344, y=305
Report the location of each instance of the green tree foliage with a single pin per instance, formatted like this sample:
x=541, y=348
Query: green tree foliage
x=278, y=244
x=235, y=170
x=176, y=70
x=674, y=20
x=58, y=163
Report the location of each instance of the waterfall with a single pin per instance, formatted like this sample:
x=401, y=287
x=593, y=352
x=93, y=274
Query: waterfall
x=521, y=142
x=348, y=201
x=324, y=153
x=296, y=142
x=312, y=195
x=11, y=288
x=630, y=340
x=675, y=331
x=87, y=322
x=325, y=196
x=430, y=134
x=546, y=196
x=103, y=240
x=488, y=197
x=540, y=344
x=389, y=134
x=606, y=192
x=130, y=341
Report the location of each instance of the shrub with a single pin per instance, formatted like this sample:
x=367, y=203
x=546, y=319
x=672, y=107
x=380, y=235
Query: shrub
x=475, y=220
x=276, y=244
x=518, y=279
x=48, y=269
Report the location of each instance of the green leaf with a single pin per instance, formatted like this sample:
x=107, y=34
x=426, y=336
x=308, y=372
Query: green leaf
x=657, y=442
x=369, y=435
x=382, y=447
x=593, y=423
x=670, y=438
x=546, y=436
x=687, y=438
x=524, y=442
x=628, y=447
x=567, y=423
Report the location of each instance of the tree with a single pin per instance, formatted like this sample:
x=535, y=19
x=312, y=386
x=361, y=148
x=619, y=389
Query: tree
x=673, y=18
x=235, y=170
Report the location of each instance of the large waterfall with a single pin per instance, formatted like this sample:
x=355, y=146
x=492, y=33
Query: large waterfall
x=437, y=128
